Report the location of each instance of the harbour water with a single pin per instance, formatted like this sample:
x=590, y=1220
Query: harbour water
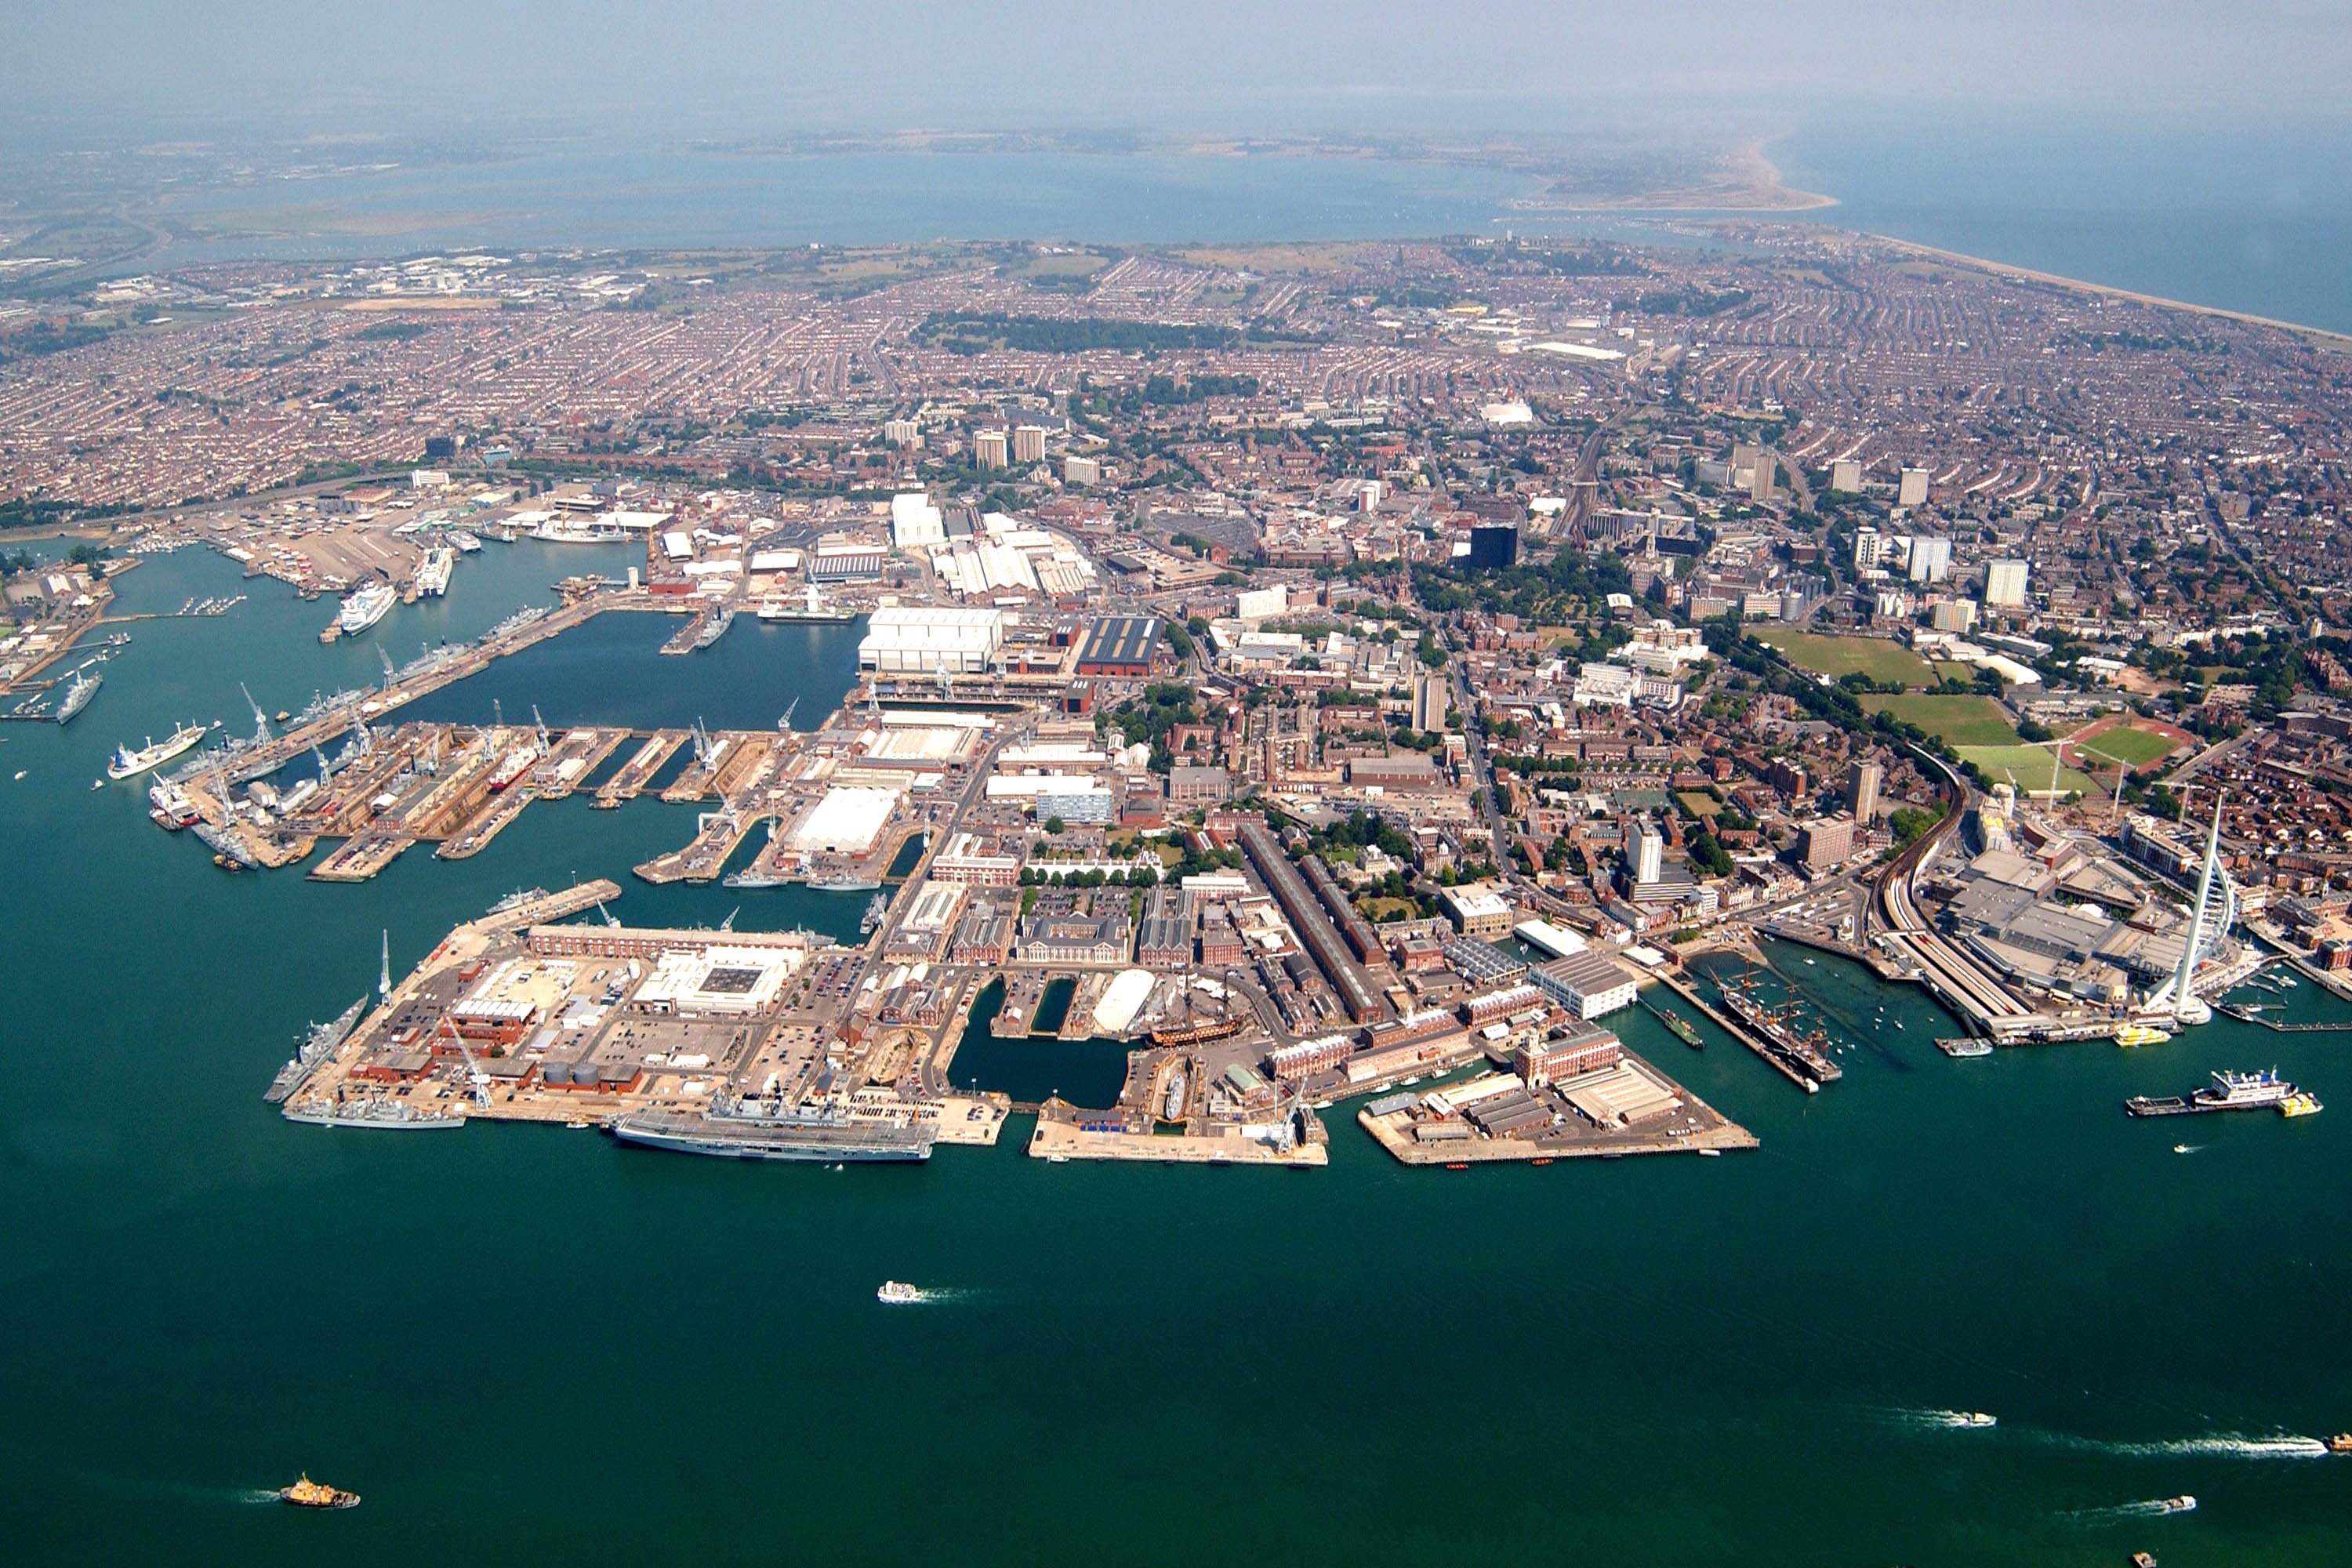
x=526, y=1345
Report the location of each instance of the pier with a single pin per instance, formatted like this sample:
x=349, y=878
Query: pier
x=630, y=782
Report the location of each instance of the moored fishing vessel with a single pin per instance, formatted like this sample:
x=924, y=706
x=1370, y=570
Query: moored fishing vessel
x=128, y=763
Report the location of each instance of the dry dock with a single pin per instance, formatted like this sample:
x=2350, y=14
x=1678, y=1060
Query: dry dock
x=630, y=782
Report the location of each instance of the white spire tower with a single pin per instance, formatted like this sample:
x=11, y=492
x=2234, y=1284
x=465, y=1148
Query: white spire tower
x=2180, y=992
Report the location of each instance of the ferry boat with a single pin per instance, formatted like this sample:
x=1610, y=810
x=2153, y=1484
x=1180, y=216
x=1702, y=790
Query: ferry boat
x=79, y=691
x=308, y=1494
x=2141, y=1034
x=814, y=609
x=2262, y=1090
x=169, y=804
x=363, y=607
x=128, y=763
x=1965, y=1046
x=2302, y=1102
x=433, y=572
x=897, y=1294
x=465, y=542
x=2340, y=1444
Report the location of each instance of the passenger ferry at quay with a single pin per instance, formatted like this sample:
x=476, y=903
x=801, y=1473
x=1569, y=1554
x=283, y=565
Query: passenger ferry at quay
x=2263, y=1090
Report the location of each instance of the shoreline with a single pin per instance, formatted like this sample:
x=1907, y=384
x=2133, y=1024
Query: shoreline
x=2341, y=341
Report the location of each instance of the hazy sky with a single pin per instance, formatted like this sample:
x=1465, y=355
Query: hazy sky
x=712, y=67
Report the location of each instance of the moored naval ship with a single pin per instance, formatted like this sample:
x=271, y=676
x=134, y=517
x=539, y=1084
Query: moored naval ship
x=375, y=1112
x=1803, y=1054
x=317, y=1046
x=713, y=628
x=79, y=691
x=738, y=1134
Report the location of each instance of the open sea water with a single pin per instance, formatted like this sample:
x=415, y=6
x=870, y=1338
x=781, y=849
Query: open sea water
x=527, y=1344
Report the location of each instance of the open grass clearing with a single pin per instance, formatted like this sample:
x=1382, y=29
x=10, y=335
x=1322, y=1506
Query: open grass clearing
x=1970, y=720
x=1873, y=657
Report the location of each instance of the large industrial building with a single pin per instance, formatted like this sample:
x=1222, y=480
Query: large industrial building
x=926, y=640
x=1121, y=648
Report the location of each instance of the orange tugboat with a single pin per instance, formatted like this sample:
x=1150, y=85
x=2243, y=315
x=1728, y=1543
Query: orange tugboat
x=2340, y=1444
x=308, y=1494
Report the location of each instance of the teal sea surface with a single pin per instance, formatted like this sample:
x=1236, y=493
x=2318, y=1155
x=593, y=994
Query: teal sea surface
x=526, y=1344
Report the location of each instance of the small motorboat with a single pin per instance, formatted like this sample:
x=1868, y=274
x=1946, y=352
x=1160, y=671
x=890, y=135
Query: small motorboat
x=2184, y=1503
x=1978, y=1418
x=897, y=1294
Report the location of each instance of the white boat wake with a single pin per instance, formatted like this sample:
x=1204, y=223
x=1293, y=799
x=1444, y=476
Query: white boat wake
x=2150, y=1508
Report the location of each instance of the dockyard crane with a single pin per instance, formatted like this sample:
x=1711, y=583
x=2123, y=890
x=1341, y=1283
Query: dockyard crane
x=539, y=724
x=497, y=714
x=610, y=918
x=260, y=719
x=384, y=658
x=326, y=771
x=729, y=923
x=383, y=976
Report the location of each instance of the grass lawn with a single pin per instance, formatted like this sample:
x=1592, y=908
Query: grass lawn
x=2133, y=748
x=1700, y=805
x=1833, y=656
x=2030, y=764
x=1970, y=720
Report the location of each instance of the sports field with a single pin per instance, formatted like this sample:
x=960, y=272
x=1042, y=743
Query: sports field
x=2133, y=748
x=1969, y=720
x=1833, y=656
x=2031, y=764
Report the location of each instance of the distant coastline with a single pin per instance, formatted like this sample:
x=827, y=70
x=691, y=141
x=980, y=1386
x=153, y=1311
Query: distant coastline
x=1751, y=184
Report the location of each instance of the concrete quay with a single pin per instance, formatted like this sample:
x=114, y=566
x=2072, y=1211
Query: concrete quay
x=1055, y=1140
x=1393, y=1133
